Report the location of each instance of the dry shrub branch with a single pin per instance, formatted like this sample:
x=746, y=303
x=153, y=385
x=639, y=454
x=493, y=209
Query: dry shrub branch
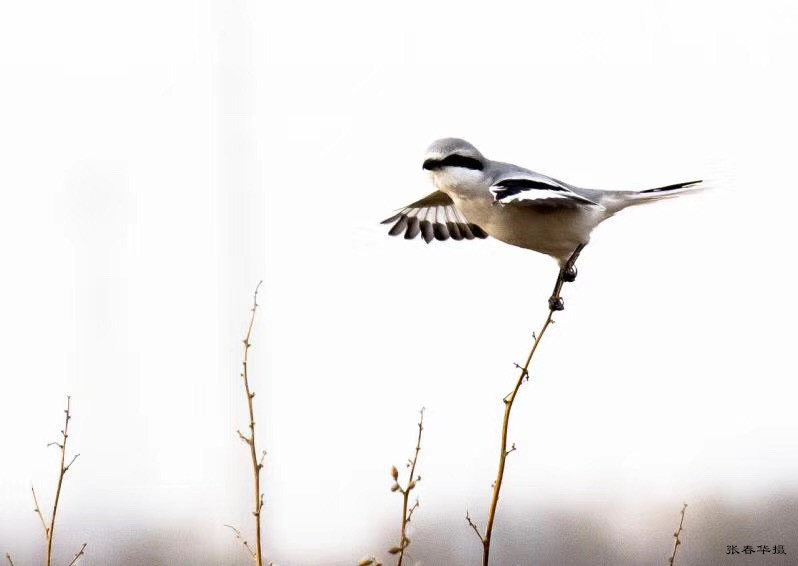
x=407, y=510
x=676, y=537
x=249, y=440
x=504, y=450
x=410, y=485
x=48, y=527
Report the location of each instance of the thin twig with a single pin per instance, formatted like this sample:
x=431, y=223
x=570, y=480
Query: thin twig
x=80, y=553
x=243, y=542
x=49, y=531
x=473, y=526
x=412, y=510
x=555, y=304
x=676, y=540
x=257, y=464
x=412, y=480
x=504, y=451
x=8, y=557
x=38, y=511
x=62, y=472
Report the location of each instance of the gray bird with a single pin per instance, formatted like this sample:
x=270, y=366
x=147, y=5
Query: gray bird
x=477, y=198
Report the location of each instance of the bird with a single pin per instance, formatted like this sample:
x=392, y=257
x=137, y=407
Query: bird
x=476, y=197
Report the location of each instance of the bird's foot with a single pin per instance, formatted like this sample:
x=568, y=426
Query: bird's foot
x=556, y=304
x=569, y=274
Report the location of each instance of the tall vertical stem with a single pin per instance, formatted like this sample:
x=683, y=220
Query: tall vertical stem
x=504, y=452
x=257, y=465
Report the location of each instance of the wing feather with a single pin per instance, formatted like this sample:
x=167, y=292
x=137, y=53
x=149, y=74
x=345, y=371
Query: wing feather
x=533, y=189
x=413, y=228
x=435, y=217
x=399, y=227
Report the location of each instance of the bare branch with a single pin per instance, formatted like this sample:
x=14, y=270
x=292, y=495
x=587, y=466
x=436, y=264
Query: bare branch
x=241, y=539
x=676, y=540
x=412, y=510
x=555, y=304
x=473, y=526
x=72, y=461
x=80, y=553
x=504, y=451
x=412, y=481
x=38, y=511
x=62, y=472
x=49, y=531
x=8, y=557
x=257, y=464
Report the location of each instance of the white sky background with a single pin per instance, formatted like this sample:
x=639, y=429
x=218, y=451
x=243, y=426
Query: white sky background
x=157, y=159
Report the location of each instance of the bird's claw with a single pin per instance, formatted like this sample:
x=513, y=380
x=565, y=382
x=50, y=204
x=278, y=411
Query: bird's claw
x=569, y=274
x=556, y=304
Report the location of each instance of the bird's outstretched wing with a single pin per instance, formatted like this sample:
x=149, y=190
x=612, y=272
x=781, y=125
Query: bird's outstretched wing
x=533, y=189
x=434, y=216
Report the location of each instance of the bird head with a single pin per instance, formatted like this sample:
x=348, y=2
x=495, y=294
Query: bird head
x=452, y=162
x=453, y=152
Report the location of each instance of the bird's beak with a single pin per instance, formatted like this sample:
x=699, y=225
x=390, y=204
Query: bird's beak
x=430, y=164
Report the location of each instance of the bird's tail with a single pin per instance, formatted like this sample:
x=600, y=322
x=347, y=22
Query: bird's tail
x=640, y=197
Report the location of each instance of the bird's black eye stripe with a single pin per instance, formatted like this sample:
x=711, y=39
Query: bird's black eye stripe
x=456, y=160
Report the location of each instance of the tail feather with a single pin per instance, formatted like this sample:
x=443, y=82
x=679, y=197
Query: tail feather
x=671, y=188
x=650, y=195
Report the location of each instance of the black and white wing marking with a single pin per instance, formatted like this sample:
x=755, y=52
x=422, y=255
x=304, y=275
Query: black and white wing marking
x=434, y=216
x=536, y=190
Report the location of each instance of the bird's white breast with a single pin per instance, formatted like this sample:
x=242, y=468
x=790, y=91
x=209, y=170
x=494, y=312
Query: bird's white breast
x=459, y=181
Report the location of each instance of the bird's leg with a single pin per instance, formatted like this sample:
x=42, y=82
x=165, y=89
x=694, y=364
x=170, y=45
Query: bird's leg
x=567, y=274
x=555, y=301
x=569, y=269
